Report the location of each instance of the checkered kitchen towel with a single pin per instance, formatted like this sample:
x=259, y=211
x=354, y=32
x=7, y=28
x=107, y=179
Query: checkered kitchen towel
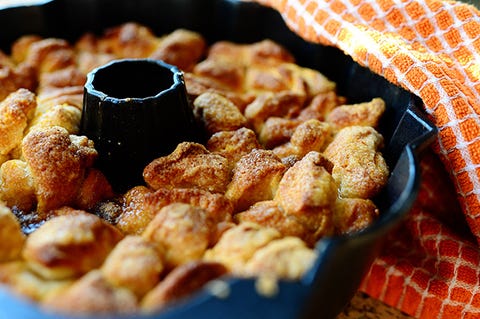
x=431, y=48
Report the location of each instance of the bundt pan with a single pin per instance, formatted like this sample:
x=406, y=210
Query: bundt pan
x=343, y=260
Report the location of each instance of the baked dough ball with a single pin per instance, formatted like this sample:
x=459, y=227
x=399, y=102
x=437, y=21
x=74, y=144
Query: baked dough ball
x=182, y=48
x=15, y=113
x=22, y=281
x=48, y=55
x=57, y=163
x=230, y=75
x=70, y=95
x=197, y=84
x=260, y=79
x=216, y=113
x=311, y=135
x=189, y=165
x=20, y=47
x=129, y=40
x=16, y=185
x=271, y=214
x=94, y=188
x=255, y=178
x=135, y=264
x=13, y=78
x=308, y=191
x=238, y=244
x=358, y=165
x=283, y=104
x=262, y=52
x=64, y=115
x=141, y=205
x=277, y=131
x=363, y=114
x=92, y=295
x=181, y=283
x=320, y=106
x=11, y=236
x=351, y=215
x=70, y=245
x=184, y=231
x=233, y=144
x=135, y=214
x=286, y=258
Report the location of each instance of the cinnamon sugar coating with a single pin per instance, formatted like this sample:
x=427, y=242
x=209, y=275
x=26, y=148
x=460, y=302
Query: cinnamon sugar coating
x=256, y=177
x=183, y=231
x=189, y=165
x=70, y=245
x=358, y=166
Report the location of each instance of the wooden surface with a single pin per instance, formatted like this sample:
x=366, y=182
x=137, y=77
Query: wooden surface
x=364, y=307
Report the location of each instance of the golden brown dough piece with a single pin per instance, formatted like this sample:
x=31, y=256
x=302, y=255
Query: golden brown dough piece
x=271, y=214
x=359, y=167
x=16, y=185
x=92, y=295
x=135, y=214
x=15, y=78
x=276, y=131
x=48, y=55
x=129, y=40
x=22, y=281
x=315, y=82
x=311, y=135
x=283, y=104
x=95, y=188
x=15, y=113
x=183, y=231
x=216, y=113
x=217, y=206
x=64, y=115
x=308, y=191
x=286, y=258
x=57, y=163
x=320, y=105
x=20, y=47
x=238, y=244
x=180, y=283
x=231, y=75
x=70, y=245
x=233, y=144
x=255, y=178
x=189, y=165
x=141, y=205
x=69, y=76
x=353, y=214
x=11, y=236
x=182, y=48
x=70, y=95
x=274, y=79
x=196, y=85
x=363, y=114
x=262, y=52
x=135, y=264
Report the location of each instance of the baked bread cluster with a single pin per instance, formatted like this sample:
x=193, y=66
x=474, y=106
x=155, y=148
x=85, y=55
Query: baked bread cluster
x=287, y=161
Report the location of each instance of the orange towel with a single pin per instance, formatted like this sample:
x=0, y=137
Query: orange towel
x=431, y=48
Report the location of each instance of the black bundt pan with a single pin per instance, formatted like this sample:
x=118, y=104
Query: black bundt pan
x=342, y=261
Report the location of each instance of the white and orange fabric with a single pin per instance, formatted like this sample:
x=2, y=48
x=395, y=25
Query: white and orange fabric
x=431, y=269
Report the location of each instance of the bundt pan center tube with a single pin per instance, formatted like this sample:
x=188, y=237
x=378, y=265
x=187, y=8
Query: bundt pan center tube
x=108, y=119
x=135, y=110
